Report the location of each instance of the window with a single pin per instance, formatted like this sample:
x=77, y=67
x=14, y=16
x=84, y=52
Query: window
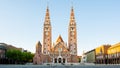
x=44, y=48
x=74, y=48
x=46, y=28
x=72, y=28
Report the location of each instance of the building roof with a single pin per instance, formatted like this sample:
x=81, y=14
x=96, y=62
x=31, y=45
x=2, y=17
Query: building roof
x=6, y=46
x=2, y=47
x=115, y=45
x=59, y=39
x=93, y=50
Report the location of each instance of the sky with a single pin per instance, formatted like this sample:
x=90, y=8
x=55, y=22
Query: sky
x=98, y=22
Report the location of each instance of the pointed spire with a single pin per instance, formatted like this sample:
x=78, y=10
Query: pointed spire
x=72, y=18
x=38, y=44
x=38, y=47
x=47, y=16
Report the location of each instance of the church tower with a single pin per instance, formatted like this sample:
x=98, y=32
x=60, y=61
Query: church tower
x=72, y=34
x=47, y=33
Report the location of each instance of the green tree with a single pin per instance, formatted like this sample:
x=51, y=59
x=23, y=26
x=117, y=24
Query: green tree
x=19, y=56
x=13, y=54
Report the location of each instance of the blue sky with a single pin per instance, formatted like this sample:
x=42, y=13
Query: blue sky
x=98, y=22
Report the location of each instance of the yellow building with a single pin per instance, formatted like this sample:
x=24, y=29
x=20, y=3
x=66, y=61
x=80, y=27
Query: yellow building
x=107, y=54
x=114, y=54
x=114, y=49
x=102, y=49
x=101, y=54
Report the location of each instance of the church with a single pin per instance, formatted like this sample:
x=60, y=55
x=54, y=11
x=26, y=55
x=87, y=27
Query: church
x=59, y=52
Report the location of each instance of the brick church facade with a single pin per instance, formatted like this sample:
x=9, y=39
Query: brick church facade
x=59, y=52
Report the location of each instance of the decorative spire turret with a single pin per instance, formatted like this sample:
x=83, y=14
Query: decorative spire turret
x=38, y=47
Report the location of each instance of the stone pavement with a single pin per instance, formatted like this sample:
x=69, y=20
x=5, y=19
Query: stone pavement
x=59, y=66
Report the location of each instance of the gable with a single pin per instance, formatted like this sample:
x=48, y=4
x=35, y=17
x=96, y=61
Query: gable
x=60, y=46
x=59, y=39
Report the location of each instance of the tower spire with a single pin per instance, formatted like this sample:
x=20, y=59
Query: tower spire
x=47, y=16
x=72, y=18
x=38, y=47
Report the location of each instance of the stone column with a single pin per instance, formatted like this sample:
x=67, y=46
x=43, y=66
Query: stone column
x=53, y=60
x=61, y=60
x=57, y=60
x=65, y=60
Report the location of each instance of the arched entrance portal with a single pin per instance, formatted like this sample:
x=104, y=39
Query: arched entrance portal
x=55, y=60
x=63, y=60
x=59, y=60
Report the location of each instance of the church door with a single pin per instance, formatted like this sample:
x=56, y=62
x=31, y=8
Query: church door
x=55, y=60
x=63, y=60
x=59, y=60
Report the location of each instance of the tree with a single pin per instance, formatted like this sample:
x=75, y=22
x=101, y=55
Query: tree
x=18, y=56
x=13, y=54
